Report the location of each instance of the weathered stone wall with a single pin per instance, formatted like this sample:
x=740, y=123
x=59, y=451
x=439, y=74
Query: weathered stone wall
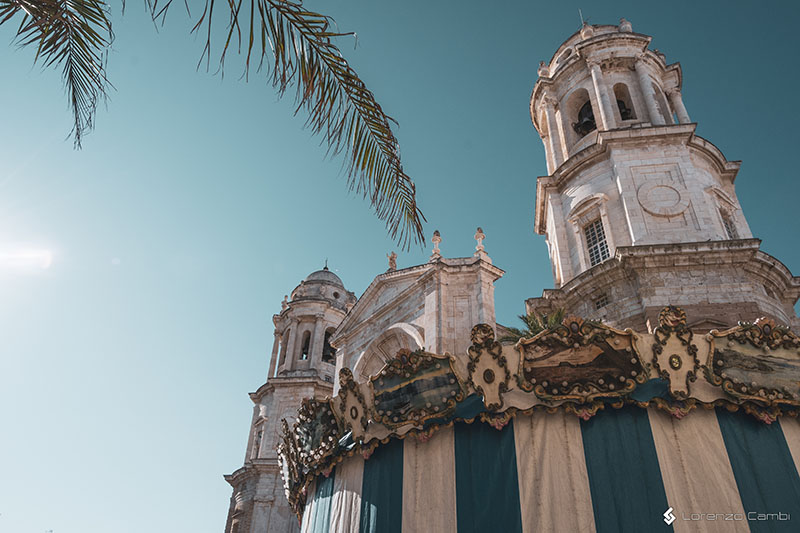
x=718, y=283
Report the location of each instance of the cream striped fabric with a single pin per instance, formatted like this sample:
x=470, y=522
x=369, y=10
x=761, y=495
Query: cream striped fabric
x=346, y=504
x=308, y=512
x=429, y=484
x=696, y=471
x=551, y=470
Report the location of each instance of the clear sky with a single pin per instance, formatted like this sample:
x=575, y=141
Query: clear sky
x=200, y=201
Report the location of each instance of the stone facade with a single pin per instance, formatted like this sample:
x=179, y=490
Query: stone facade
x=431, y=306
x=639, y=214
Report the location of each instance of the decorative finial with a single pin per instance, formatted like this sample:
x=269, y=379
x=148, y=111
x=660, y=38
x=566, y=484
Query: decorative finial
x=543, y=71
x=326, y=264
x=624, y=25
x=479, y=236
x=285, y=302
x=587, y=31
x=392, y=261
x=480, y=251
x=437, y=238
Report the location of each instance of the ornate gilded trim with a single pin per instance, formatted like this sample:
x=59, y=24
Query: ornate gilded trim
x=758, y=362
x=674, y=353
x=580, y=361
x=488, y=369
x=316, y=431
x=350, y=406
x=414, y=387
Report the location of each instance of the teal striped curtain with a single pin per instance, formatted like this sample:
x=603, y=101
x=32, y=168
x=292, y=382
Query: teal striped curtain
x=765, y=472
x=487, y=491
x=624, y=475
x=382, y=490
x=615, y=472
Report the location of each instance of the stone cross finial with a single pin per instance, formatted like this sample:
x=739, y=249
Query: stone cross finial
x=285, y=302
x=437, y=238
x=479, y=236
x=392, y=261
x=480, y=251
x=586, y=31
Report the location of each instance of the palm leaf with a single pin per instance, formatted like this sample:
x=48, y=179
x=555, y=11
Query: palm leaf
x=73, y=34
x=534, y=323
x=296, y=47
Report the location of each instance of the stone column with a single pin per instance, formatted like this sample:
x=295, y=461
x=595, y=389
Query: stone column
x=317, y=341
x=646, y=87
x=276, y=344
x=553, y=141
x=676, y=101
x=290, y=355
x=601, y=95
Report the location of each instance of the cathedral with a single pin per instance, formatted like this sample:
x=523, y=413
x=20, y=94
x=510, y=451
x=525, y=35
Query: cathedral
x=665, y=397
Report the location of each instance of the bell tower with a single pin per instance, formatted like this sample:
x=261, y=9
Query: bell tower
x=302, y=366
x=639, y=212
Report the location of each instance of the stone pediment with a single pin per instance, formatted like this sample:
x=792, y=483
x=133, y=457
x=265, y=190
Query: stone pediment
x=385, y=291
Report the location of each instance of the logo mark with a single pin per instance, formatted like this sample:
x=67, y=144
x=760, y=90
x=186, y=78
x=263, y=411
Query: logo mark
x=669, y=518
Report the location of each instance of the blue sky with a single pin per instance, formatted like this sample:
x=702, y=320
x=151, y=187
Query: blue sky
x=200, y=201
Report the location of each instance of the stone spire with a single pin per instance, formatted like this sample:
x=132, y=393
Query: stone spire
x=480, y=251
x=436, y=239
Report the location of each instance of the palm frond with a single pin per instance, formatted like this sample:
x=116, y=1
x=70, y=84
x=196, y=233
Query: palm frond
x=296, y=47
x=73, y=34
x=534, y=323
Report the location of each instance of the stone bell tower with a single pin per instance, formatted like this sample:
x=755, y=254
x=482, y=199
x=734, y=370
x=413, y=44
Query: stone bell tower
x=302, y=366
x=639, y=211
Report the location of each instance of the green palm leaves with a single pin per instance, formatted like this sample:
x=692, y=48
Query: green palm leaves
x=534, y=323
x=295, y=47
x=75, y=36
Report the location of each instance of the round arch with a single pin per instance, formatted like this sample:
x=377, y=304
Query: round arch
x=396, y=337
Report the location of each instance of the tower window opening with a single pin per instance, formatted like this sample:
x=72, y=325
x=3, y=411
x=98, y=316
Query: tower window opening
x=585, y=123
x=257, y=443
x=624, y=112
x=306, y=345
x=624, y=102
x=328, y=351
x=284, y=343
x=730, y=227
x=596, y=242
x=661, y=104
x=601, y=301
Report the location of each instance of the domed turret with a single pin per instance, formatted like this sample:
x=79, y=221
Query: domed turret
x=305, y=324
x=324, y=285
x=326, y=276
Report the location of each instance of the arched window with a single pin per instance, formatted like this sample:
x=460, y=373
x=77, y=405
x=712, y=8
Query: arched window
x=284, y=342
x=306, y=346
x=728, y=223
x=328, y=351
x=259, y=435
x=585, y=120
x=596, y=244
x=624, y=102
x=577, y=117
x=662, y=105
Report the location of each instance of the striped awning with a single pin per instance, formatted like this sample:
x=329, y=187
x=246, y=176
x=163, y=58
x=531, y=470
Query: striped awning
x=625, y=469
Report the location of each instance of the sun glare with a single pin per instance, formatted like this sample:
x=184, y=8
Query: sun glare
x=25, y=260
